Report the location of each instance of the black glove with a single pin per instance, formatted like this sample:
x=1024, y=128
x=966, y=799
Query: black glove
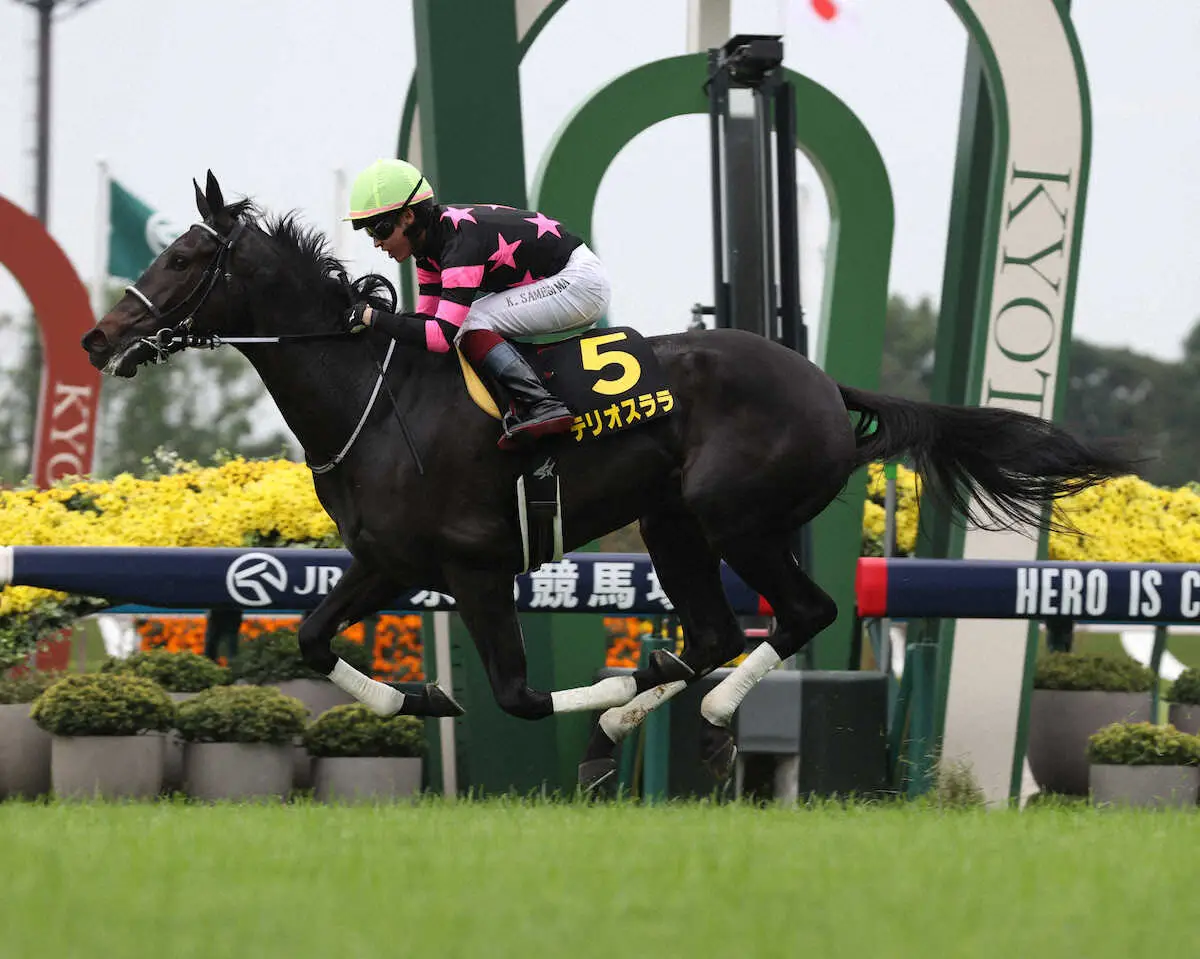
x=355, y=317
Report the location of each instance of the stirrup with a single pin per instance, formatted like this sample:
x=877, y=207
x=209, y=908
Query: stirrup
x=519, y=432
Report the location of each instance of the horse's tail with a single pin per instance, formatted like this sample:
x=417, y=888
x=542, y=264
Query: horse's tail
x=1017, y=462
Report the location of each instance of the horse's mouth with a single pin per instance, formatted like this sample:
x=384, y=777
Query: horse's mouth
x=125, y=363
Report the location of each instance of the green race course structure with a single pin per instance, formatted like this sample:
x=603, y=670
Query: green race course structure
x=1012, y=258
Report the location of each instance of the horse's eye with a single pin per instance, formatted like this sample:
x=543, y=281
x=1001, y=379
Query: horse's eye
x=177, y=262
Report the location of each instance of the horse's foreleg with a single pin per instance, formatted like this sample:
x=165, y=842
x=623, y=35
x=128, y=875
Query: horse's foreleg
x=360, y=592
x=485, y=602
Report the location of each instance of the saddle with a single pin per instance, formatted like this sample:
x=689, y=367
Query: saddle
x=609, y=378
x=612, y=381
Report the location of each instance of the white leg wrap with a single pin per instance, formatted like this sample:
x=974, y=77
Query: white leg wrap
x=381, y=699
x=613, y=691
x=620, y=722
x=721, y=703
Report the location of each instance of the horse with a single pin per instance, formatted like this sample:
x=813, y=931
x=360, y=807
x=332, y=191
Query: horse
x=759, y=442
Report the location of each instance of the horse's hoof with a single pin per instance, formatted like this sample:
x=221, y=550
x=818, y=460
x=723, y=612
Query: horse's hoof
x=717, y=750
x=669, y=668
x=436, y=701
x=594, y=773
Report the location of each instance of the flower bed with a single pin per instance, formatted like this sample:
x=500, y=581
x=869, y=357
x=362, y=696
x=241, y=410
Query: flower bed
x=396, y=639
x=272, y=503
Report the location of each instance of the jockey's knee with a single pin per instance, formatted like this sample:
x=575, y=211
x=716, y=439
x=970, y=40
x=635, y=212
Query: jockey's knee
x=524, y=702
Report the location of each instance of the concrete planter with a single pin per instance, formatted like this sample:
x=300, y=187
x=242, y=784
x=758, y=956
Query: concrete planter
x=107, y=767
x=317, y=695
x=1185, y=717
x=365, y=778
x=173, y=751
x=1060, y=722
x=24, y=754
x=1152, y=787
x=237, y=770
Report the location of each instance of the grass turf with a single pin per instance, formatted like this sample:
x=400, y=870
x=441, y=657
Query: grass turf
x=529, y=879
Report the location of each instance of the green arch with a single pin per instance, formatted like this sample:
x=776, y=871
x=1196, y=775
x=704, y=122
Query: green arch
x=858, y=254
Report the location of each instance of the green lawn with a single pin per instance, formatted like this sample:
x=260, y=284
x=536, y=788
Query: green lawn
x=572, y=880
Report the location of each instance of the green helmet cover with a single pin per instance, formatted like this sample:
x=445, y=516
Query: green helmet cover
x=387, y=185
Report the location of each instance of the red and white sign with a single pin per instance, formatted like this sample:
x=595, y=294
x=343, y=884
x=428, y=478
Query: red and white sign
x=65, y=434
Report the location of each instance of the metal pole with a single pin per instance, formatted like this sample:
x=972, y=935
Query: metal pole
x=655, y=768
x=445, y=679
x=791, y=312
x=45, y=10
x=45, y=14
x=1156, y=656
x=718, y=87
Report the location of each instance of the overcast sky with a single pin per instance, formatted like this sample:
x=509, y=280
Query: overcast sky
x=277, y=95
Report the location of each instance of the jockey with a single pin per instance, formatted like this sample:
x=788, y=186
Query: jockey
x=485, y=272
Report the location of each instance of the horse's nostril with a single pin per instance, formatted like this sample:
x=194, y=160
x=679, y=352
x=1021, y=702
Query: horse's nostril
x=94, y=341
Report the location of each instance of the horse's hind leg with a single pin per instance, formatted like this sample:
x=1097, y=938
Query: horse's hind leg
x=689, y=570
x=802, y=609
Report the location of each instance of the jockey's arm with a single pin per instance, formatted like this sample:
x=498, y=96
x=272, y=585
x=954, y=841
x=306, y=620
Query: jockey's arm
x=443, y=301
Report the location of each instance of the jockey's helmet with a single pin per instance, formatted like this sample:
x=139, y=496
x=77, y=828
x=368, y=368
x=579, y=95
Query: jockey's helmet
x=386, y=186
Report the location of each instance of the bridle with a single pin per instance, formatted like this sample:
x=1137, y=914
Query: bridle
x=171, y=339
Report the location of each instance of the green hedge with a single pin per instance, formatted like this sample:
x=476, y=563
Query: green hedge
x=103, y=704
x=274, y=657
x=1082, y=671
x=353, y=730
x=27, y=687
x=1143, y=744
x=241, y=714
x=1186, y=689
x=181, y=672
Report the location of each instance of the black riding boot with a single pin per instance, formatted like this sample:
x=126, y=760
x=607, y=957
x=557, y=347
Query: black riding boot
x=538, y=413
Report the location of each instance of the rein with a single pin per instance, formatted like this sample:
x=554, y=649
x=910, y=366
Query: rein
x=173, y=339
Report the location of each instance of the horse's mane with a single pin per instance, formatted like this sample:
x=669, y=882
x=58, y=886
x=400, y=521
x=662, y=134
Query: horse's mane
x=313, y=264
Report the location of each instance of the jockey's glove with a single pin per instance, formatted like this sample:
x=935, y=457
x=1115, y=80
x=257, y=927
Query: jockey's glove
x=407, y=328
x=358, y=317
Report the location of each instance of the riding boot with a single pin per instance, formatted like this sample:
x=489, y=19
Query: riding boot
x=538, y=413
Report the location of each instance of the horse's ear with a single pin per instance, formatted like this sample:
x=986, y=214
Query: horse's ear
x=212, y=190
x=202, y=206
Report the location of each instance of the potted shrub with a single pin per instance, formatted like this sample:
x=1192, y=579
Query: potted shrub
x=100, y=723
x=1184, y=713
x=239, y=742
x=24, y=746
x=1075, y=694
x=273, y=658
x=183, y=675
x=359, y=756
x=1142, y=764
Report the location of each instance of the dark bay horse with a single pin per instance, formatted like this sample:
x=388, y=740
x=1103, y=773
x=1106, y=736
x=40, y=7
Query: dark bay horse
x=759, y=443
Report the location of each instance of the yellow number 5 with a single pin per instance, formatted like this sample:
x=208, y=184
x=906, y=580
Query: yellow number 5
x=593, y=359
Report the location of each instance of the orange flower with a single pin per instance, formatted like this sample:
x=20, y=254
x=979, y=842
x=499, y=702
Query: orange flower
x=396, y=639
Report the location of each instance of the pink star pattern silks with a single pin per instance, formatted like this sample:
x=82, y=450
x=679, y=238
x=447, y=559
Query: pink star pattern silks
x=456, y=214
x=497, y=206
x=544, y=225
x=525, y=280
x=504, y=253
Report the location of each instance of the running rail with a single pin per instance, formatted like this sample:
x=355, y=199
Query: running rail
x=1000, y=589
x=616, y=584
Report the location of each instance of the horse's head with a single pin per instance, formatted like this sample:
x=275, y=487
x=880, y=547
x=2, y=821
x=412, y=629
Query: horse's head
x=186, y=290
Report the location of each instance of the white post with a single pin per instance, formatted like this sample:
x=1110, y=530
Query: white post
x=338, y=236
x=100, y=269
x=445, y=679
x=708, y=24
